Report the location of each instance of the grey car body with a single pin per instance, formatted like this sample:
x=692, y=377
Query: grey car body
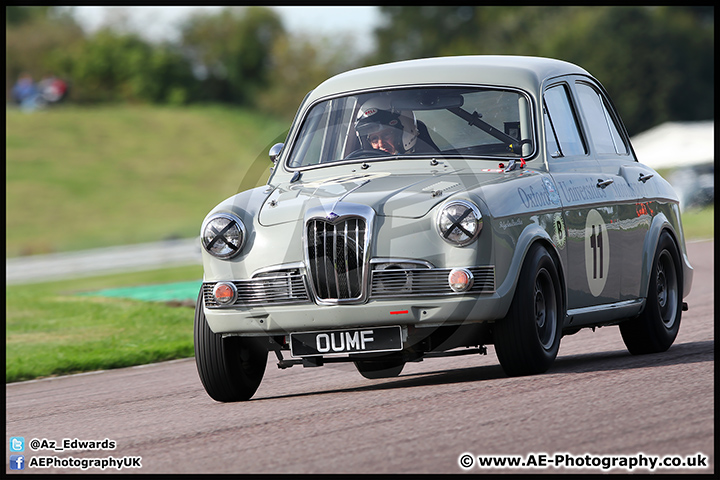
x=527, y=219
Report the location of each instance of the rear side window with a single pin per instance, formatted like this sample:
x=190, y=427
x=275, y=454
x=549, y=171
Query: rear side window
x=561, y=124
x=603, y=130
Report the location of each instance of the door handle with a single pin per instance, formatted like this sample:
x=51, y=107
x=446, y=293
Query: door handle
x=604, y=183
x=644, y=178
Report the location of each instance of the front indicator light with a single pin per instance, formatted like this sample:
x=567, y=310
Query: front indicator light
x=460, y=279
x=225, y=293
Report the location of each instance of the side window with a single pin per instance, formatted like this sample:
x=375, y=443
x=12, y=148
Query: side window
x=563, y=131
x=603, y=130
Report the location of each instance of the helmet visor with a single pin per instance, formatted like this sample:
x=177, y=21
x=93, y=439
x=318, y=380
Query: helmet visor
x=374, y=122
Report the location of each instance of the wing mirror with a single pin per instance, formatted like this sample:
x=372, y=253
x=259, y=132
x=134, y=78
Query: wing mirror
x=275, y=151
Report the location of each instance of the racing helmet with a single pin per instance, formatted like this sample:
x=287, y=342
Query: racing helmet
x=378, y=114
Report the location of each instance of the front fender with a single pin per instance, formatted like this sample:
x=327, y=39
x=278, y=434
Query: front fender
x=531, y=234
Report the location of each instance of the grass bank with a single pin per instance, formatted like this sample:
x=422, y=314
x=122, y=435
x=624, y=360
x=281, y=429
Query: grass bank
x=80, y=177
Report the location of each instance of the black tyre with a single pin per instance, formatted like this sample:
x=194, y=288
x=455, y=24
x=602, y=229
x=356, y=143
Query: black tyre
x=527, y=340
x=656, y=328
x=230, y=368
x=382, y=367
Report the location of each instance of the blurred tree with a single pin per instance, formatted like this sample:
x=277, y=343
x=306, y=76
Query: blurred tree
x=34, y=35
x=19, y=14
x=656, y=62
x=425, y=31
x=298, y=64
x=112, y=66
x=231, y=50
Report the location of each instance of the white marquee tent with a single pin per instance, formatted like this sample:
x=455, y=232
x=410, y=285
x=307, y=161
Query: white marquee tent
x=676, y=144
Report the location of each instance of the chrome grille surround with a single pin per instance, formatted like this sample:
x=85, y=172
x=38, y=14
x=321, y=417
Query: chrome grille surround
x=337, y=252
x=401, y=282
x=276, y=287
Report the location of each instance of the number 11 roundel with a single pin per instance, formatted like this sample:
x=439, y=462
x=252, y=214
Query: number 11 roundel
x=597, y=252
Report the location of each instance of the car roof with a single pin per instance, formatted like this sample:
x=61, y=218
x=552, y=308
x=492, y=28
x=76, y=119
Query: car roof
x=527, y=73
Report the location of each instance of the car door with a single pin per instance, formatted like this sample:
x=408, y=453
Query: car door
x=593, y=268
x=626, y=182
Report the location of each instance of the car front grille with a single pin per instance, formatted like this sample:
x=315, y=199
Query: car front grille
x=336, y=258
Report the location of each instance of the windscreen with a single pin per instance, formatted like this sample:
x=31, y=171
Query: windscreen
x=439, y=121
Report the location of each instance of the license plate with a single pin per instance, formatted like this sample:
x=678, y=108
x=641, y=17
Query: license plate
x=337, y=342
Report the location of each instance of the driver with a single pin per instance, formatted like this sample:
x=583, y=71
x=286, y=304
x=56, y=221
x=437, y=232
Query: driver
x=380, y=127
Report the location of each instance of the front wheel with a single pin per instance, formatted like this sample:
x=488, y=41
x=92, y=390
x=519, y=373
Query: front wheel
x=656, y=328
x=230, y=368
x=527, y=340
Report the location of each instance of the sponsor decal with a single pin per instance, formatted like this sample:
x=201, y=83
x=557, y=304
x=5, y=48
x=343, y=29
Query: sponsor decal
x=515, y=222
x=532, y=198
x=573, y=193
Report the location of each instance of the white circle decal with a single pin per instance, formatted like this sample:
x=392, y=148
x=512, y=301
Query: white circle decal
x=597, y=252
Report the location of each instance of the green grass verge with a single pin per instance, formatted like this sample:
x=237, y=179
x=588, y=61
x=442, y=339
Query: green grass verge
x=50, y=330
x=699, y=224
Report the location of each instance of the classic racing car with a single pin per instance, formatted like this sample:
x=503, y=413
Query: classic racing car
x=432, y=207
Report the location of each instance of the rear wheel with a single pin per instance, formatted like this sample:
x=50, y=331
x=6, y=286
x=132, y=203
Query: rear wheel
x=230, y=368
x=656, y=328
x=527, y=340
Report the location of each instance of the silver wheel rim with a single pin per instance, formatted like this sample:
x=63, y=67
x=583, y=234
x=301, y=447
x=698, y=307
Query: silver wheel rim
x=545, y=307
x=666, y=283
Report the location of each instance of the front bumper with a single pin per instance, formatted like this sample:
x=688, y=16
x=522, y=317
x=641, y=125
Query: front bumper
x=421, y=312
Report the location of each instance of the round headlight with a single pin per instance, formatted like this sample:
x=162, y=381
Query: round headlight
x=223, y=235
x=459, y=222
